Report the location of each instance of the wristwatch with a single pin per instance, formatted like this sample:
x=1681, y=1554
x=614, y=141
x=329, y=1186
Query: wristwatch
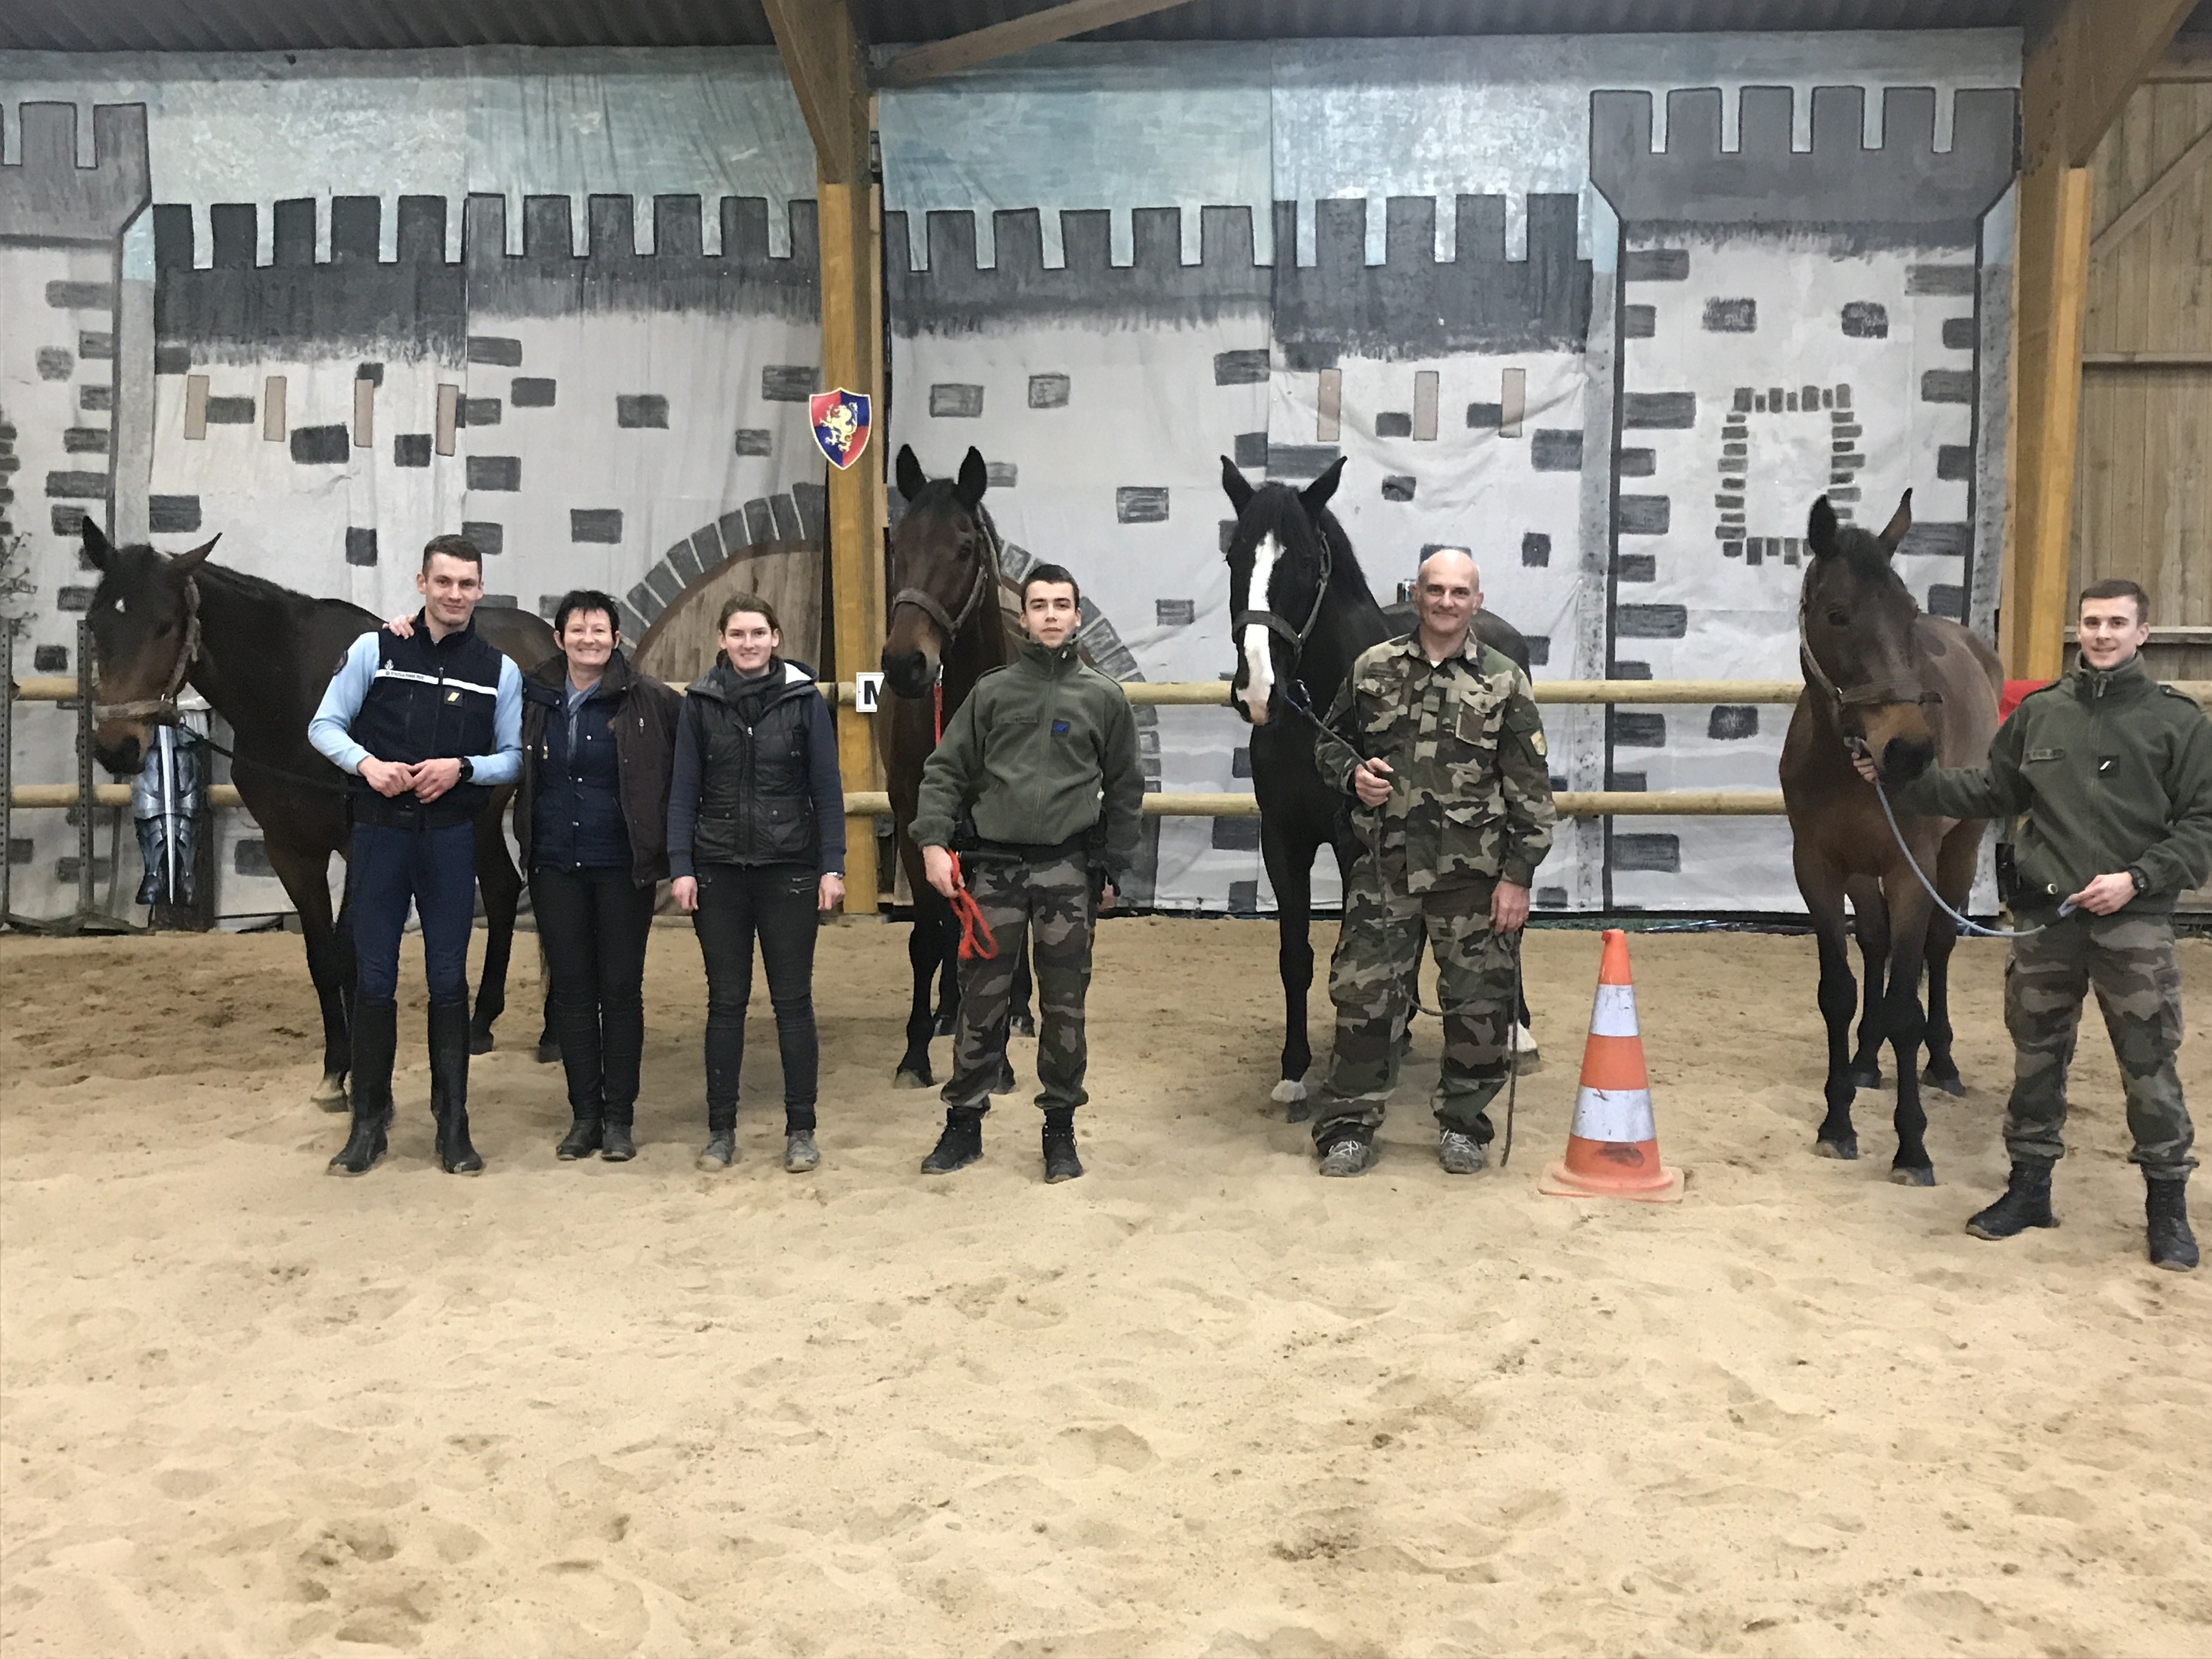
x=468, y=769
x=2137, y=877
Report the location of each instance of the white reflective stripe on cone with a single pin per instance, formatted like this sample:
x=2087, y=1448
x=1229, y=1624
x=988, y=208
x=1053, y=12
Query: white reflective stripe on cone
x=1615, y=1114
x=1613, y=1014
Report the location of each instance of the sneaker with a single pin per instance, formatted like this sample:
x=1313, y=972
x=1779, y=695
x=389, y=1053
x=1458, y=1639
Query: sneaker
x=1351, y=1154
x=721, y=1152
x=1460, y=1152
x=800, y=1154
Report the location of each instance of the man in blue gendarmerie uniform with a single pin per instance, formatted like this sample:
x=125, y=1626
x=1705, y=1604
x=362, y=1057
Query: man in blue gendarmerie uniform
x=428, y=726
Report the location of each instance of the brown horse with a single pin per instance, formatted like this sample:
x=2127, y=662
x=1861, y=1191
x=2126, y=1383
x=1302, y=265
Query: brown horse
x=1908, y=689
x=262, y=655
x=946, y=631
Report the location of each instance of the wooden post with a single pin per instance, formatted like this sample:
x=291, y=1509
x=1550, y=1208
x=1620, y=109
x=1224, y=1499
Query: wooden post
x=2083, y=58
x=824, y=56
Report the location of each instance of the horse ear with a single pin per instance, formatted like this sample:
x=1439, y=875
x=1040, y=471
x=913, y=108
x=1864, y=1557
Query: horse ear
x=1235, y=486
x=97, y=548
x=910, y=476
x=1820, y=529
x=1316, y=495
x=974, y=478
x=184, y=563
x=1900, y=521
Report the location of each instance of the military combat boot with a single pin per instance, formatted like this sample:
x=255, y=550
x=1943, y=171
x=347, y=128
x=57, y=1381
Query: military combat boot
x=1060, y=1163
x=2166, y=1210
x=961, y=1143
x=2026, y=1203
x=375, y=1039
x=449, y=1087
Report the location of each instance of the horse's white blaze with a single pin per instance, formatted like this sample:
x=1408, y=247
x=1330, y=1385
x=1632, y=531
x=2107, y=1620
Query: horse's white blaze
x=1259, y=658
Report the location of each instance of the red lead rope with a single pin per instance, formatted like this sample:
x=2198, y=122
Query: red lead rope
x=975, y=936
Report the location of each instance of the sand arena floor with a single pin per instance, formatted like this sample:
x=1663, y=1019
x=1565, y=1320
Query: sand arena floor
x=1201, y=1402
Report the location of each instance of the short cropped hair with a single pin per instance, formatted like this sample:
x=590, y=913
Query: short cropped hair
x=453, y=547
x=1049, y=573
x=587, y=600
x=748, y=603
x=2119, y=587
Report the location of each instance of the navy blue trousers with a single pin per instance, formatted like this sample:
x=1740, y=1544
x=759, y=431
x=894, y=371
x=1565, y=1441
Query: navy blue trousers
x=436, y=870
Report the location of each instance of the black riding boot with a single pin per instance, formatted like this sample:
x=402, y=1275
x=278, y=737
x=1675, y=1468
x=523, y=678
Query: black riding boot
x=615, y=1143
x=449, y=1087
x=375, y=1039
x=1060, y=1163
x=583, y=1138
x=2026, y=1203
x=961, y=1143
x=2166, y=1209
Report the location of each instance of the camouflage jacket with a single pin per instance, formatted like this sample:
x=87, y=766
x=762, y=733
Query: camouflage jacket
x=1471, y=793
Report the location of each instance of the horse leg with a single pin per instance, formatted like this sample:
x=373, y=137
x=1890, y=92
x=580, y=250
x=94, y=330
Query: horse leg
x=925, y=955
x=1822, y=887
x=1019, y=1019
x=305, y=872
x=948, y=973
x=1904, y=1026
x=1289, y=859
x=500, y=883
x=1871, y=920
x=1954, y=878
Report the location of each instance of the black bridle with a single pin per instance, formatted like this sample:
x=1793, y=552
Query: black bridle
x=1296, y=638
x=1867, y=693
x=986, y=567
x=162, y=709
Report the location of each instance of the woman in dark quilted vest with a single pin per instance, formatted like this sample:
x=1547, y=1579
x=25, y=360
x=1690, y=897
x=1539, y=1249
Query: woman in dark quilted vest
x=598, y=741
x=756, y=845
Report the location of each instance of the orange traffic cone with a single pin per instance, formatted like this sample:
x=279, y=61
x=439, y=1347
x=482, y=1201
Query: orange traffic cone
x=1612, y=1151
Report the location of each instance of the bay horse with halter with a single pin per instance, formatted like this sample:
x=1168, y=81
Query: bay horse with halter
x=944, y=631
x=262, y=656
x=1301, y=612
x=1884, y=679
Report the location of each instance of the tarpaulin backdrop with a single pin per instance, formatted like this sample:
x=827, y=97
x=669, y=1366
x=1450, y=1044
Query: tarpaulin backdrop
x=567, y=300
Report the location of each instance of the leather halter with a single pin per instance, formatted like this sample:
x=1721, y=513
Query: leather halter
x=1867, y=694
x=163, y=709
x=986, y=566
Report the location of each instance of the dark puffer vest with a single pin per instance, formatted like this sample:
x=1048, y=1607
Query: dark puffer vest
x=756, y=805
x=431, y=700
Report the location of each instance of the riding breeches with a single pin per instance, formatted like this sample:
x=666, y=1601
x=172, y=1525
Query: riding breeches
x=1378, y=950
x=1053, y=898
x=436, y=870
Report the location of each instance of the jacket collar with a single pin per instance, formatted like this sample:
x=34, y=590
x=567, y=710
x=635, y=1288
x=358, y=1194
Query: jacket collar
x=466, y=630
x=552, y=674
x=1470, y=649
x=2129, y=679
x=1052, y=663
x=721, y=683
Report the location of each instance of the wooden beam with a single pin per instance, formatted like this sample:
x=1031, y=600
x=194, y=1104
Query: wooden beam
x=2160, y=192
x=2083, y=59
x=2147, y=360
x=824, y=55
x=2187, y=61
x=964, y=52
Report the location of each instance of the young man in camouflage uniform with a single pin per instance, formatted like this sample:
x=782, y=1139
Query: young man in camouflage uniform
x=1042, y=759
x=1438, y=737
x=2114, y=773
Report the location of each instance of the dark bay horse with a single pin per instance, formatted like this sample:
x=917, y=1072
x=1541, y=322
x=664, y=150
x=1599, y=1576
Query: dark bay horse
x=262, y=656
x=1302, y=614
x=946, y=631
x=1909, y=689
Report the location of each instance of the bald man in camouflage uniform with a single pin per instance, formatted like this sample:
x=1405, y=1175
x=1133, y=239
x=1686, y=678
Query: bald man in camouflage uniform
x=1437, y=737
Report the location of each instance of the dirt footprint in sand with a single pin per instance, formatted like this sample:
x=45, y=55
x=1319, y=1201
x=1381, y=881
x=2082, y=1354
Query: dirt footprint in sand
x=1084, y=1451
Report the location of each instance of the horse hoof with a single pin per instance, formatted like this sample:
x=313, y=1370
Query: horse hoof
x=1842, y=1146
x=547, y=1051
x=329, y=1095
x=480, y=1042
x=1523, y=1064
x=1005, y=1085
x=1022, y=1024
x=908, y=1078
x=1865, y=1077
x=1298, y=1111
x=1906, y=1174
x=1950, y=1085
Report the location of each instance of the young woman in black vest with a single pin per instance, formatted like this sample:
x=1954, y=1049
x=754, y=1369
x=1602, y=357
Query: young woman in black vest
x=757, y=843
x=599, y=746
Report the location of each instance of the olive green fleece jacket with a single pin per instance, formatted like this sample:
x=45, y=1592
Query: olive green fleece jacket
x=2113, y=772
x=1042, y=749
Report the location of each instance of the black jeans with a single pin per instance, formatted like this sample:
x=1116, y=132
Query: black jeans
x=593, y=925
x=775, y=901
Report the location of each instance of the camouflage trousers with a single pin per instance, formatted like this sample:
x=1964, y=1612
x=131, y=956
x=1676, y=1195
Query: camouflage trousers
x=1376, y=953
x=2128, y=961
x=1053, y=899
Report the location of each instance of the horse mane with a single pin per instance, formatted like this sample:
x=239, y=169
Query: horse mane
x=1346, y=579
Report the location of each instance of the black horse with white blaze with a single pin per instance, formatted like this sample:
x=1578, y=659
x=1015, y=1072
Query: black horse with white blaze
x=1301, y=614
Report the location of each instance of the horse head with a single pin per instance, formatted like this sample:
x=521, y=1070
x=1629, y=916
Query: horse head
x=1856, y=622
x=144, y=636
x=944, y=569
x=1282, y=553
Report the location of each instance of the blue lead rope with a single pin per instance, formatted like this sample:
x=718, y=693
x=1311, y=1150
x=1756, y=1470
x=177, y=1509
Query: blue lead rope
x=1971, y=926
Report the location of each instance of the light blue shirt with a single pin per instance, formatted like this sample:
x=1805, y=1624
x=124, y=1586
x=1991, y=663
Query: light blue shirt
x=331, y=729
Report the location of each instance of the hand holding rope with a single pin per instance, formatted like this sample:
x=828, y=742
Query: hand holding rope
x=977, y=939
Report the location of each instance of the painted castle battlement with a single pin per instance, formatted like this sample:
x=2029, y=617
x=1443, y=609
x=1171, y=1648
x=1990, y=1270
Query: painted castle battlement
x=47, y=198
x=1412, y=305
x=1906, y=188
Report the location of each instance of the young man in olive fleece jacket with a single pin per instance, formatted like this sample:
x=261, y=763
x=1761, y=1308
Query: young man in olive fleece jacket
x=1042, y=758
x=2114, y=774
